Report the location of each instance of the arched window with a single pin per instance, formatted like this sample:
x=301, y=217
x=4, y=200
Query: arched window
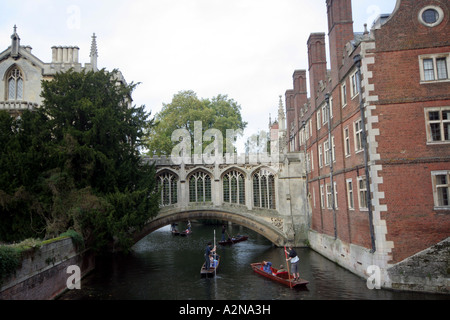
x=168, y=184
x=234, y=187
x=200, y=187
x=264, y=190
x=15, y=84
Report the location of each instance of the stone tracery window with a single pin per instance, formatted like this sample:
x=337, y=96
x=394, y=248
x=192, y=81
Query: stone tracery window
x=264, y=190
x=15, y=84
x=168, y=186
x=234, y=187
x=200, y=187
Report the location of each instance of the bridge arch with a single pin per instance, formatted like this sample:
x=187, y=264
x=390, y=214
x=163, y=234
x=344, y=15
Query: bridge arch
x=268, y=230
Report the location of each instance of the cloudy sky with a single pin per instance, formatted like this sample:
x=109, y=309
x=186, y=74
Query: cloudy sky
x=247, y=49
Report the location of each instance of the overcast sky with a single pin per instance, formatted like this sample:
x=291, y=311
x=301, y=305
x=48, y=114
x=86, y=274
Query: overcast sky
x=247, y=49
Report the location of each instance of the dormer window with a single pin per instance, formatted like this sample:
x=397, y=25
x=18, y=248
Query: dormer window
x=15, y=84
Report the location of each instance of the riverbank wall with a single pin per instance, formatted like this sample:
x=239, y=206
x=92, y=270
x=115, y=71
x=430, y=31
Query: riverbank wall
x=425, y=272
x=43, y=273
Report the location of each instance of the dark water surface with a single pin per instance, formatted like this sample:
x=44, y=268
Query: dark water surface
x=167, y=267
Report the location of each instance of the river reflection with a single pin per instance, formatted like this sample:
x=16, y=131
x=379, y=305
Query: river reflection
x=167, y=267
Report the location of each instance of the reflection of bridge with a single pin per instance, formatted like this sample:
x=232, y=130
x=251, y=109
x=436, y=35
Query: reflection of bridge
x=269, y=199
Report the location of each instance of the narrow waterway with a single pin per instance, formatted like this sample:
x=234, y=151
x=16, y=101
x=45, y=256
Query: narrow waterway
x=167, y=267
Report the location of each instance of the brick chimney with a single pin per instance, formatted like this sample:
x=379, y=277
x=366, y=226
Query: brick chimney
x=317, y=63
x=340, y=32
x=300, y=91
x=290, y=110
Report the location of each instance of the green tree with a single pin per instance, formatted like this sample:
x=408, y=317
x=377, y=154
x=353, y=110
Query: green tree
x=76, y=161
x=23, y=157
x=186, y=108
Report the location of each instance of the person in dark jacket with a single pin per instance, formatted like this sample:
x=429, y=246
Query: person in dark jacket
x=293, y=257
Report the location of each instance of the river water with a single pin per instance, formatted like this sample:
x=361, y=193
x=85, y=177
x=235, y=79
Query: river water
x=167, y=267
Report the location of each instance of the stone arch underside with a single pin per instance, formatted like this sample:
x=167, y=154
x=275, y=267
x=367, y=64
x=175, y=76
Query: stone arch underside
x=273, y=234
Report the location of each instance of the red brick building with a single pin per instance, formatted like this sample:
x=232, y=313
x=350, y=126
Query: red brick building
x=376, y=133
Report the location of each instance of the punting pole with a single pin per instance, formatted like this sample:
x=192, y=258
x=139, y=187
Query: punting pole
x=287, y=264
x=215, y=252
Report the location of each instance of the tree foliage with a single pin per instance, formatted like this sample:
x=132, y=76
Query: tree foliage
x=186, y=108
x=75, y=163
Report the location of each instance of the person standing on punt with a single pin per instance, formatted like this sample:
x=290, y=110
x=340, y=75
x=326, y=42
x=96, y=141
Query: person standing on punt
x=209, y=249
x=293, y=257
x=224, y=229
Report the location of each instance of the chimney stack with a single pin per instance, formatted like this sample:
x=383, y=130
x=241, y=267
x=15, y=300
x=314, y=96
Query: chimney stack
x=317, y=63
x=68, y=55
x=340, y=32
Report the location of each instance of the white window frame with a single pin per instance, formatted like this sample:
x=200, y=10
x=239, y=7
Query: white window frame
x=436, y=186
x=354, y=84
x=333, y=149
x=335, y=196
x=350, y=198
x=362, y=193
x=329, y=196
x=320, y=157
x=326, y=152
x=319, y=120
x=322, y=196
x=344, y=94
x=441, y=123
x=347, y=142
x=324, y=114
x=434, y=58
x=358, y=135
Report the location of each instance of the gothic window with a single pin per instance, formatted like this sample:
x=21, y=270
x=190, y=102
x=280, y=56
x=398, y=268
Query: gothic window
x=15, y=84
x=234, y=187
x=168, y=186
x=200, y=187
x=264, y=190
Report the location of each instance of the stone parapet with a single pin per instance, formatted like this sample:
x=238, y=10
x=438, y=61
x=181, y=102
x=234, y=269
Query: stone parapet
x=43, y=271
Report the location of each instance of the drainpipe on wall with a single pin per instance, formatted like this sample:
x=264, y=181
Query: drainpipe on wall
x=307, y=179
x=357, y=62
x=330, y=146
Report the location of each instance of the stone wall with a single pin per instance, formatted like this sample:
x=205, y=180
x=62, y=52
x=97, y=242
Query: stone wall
x=43, y=273
x=426, y=271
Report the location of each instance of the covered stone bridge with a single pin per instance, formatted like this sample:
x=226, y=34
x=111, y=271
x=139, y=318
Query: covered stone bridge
x=269, y=198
